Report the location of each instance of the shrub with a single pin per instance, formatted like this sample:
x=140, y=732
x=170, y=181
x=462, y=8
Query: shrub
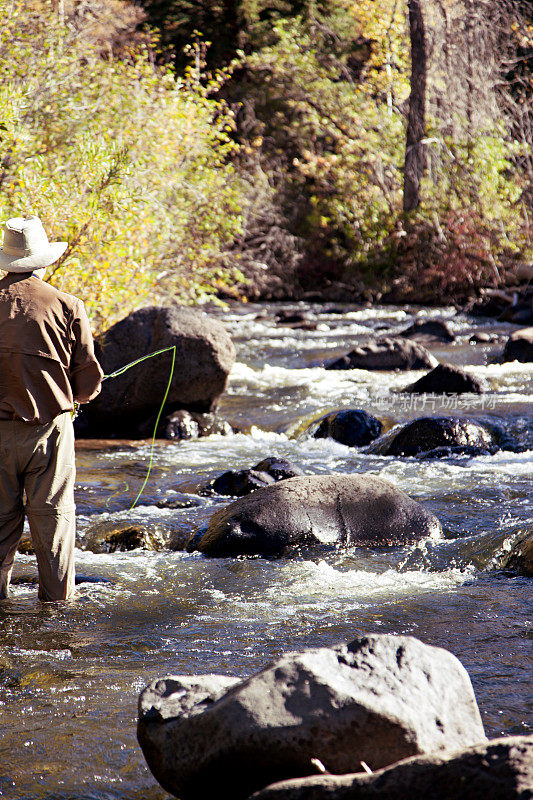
x=124, y=160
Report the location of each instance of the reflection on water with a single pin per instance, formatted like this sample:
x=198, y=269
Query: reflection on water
x=70, y=674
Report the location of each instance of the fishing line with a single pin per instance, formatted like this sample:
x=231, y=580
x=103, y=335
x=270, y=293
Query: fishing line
x=120, y=371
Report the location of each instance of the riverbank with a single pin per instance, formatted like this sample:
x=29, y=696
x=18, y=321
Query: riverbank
x=508, y=300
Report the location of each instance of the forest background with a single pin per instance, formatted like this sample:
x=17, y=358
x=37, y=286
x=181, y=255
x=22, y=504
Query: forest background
x=265, y=149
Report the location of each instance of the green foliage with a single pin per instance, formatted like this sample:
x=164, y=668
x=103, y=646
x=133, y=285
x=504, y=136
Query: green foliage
x=127, y=162
x=331, y=90
x=139, y=169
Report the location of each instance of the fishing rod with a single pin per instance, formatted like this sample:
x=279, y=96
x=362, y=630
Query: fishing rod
x=124, y=369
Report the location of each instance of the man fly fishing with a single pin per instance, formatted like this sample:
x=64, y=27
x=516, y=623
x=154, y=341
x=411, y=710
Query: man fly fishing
x=47, y=363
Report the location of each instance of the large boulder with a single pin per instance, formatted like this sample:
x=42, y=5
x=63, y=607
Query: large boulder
x=385, y=354
x=379, y=699
x=430, y=330
x=326, y=509
x=204, y=357
x=502, y=769
x=441, y=435
x=519, y=346
x=352, y=427
x=446, y=379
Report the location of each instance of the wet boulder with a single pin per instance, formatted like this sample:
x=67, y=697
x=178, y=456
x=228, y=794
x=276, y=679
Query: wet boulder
x=501, y=769
x=431, y=330
x=352, y=427
x=427, y=434
x=519, y=346
x=239, y=482
x=243, y=481
x=316, y=509
x=520, y=557
x=204, y=357
x=446, y=379
x=385, y=354
x=379, y=699
x=278, y=468
x=183, y=425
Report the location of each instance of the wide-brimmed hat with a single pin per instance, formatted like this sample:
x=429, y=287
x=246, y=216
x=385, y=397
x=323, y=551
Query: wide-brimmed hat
x=26, y=246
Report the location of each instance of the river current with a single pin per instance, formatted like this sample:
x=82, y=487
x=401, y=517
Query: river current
x=70, y=673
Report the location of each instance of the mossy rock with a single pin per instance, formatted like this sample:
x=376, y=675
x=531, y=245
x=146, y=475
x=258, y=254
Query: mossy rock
x=132, y=537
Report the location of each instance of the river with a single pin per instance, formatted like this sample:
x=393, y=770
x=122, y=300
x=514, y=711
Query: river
x=70, y=673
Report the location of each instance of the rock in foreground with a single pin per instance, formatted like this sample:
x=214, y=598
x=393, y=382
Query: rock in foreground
x=326, y=509
x=380, y=699
x=204, y=358
x=502, y=769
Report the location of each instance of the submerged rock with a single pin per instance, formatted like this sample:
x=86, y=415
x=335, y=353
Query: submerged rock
x=430, y=330
x=471, y=450
x=353, y=427
x=204, y=357
x=501, y=769
x=241, y=482
x=446, y=379
x=428, y=434
x=326, y=509
x=519, y=346
x=385, y=354
x=379, y=699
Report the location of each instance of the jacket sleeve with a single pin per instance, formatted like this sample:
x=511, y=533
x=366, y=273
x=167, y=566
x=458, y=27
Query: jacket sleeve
x=85, y=371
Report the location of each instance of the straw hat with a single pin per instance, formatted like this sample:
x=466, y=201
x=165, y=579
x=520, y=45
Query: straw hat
x=26, y=246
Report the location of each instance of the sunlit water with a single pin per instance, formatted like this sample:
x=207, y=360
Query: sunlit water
x=70, y=674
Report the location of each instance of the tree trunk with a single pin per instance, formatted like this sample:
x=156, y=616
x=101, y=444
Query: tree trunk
x=415, y=160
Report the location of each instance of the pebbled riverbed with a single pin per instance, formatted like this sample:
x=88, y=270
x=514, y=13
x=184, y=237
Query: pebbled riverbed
x=70, y=674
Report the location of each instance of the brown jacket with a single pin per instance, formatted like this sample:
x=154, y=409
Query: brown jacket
x=47, y=356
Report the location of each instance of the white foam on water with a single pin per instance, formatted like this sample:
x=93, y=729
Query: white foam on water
x=60, y=655
x=505, y=463
x=319, y=588
x=506, y=368
x=322, y=385
x=420, y=478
